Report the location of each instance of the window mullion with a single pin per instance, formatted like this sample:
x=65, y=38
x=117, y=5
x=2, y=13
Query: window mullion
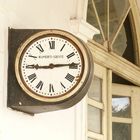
x=109, y=104
x=122, y=120
x=98, y=19
x=95, y=103
x=95, y=135
x=108, y=25
x=107, y=19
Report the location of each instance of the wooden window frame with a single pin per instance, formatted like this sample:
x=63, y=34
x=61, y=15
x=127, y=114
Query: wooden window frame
x=133, y=93
x=101, y=73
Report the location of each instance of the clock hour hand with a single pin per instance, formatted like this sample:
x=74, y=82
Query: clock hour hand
x=36, y=66
x=33, y=66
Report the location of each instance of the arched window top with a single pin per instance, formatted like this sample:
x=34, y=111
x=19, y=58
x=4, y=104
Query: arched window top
x=113, y=19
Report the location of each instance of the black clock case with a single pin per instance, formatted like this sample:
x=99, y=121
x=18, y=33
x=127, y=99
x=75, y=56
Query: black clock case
x=17, y=99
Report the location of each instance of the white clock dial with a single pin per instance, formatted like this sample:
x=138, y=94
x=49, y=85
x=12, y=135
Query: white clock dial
x=51, y=66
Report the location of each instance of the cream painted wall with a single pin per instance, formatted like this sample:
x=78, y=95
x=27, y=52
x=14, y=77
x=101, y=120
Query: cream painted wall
x=40, y=13
x=60, y=125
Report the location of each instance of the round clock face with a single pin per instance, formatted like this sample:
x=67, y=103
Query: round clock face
x=50, y=66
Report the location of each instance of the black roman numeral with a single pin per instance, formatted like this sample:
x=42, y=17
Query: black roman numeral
x=62, y=47
x=51, y=88
x=73, y=66
x=52, y=44
x=62, y=85
x=70, y=55
x=69, y=77
x=32, y=77
x=32, y=56
x=39, y=85
x=39, y=47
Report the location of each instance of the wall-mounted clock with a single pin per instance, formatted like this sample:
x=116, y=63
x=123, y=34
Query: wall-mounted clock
x=54, y=67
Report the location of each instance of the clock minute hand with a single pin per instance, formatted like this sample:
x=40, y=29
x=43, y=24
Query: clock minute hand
x=62, y=65
x=50, y=66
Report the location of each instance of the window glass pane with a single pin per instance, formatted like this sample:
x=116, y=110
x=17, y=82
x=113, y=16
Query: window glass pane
x=101, y=6
x=117, y=11
x=121, y=131
x=120, y=43
x=121, y=106
x=124, y=45
x=94, y=119
x=95, y=90
x=92, y=19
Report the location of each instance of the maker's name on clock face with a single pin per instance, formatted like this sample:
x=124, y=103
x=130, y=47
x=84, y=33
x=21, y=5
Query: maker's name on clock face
x=51, y=66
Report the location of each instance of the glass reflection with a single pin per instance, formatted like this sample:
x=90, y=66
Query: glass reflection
x=101, y=7
x=94, y=119
x=95, y=90
x=121, y=131
x=92, y=19
x=121, y=107
x=120, y=43
x=124, y=43
x=116, y=14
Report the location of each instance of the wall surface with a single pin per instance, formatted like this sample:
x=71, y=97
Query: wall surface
x=37, y=14
x=34, y=14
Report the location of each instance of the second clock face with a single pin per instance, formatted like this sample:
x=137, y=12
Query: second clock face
x=51, y=66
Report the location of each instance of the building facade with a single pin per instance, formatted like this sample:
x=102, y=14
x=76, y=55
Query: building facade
x=110, y=28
